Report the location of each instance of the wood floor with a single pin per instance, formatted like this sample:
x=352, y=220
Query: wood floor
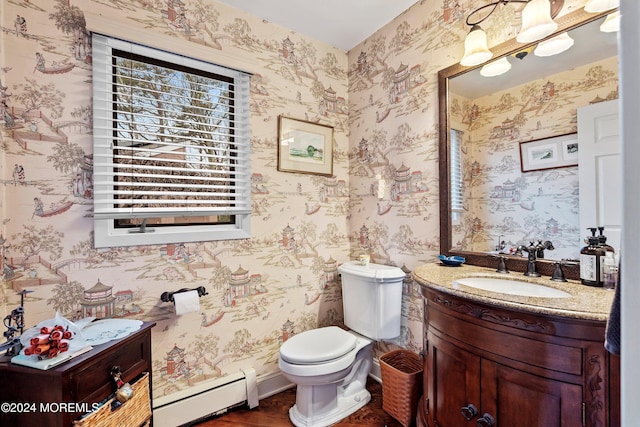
x=274, y=412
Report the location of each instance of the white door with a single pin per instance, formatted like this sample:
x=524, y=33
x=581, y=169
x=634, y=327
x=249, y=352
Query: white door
x=630, y=295
x=600, y=170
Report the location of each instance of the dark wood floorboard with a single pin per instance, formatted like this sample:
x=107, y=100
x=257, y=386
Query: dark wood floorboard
x=274, y=412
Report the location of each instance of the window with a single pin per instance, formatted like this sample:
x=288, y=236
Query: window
x=171, y=147
x=456, y=175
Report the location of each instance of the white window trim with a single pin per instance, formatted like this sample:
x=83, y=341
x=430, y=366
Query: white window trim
x=120, y=29
x=106, y=235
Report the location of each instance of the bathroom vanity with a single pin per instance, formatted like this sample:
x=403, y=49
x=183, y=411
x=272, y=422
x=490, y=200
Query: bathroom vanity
x=512, y=359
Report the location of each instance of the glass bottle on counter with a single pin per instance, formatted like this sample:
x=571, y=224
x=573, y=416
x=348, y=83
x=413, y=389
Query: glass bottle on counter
x=602, y=243
x=610, y=271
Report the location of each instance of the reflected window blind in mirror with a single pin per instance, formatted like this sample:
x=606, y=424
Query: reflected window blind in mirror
x=456, y=174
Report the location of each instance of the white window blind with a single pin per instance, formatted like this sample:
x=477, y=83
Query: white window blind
x=171, y=137
x=456, y=171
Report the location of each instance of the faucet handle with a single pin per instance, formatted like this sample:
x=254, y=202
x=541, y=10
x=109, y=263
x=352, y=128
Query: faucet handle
x=558, y=273
x=502, y=265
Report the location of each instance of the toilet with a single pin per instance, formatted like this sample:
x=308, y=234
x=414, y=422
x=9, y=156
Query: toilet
x=330, y=365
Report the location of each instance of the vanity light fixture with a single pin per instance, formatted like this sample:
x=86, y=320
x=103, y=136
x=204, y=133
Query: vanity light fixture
x=554, y=45
x=476, y=50
x=611, y=23
x=595, y=6
x=496, y=68
x=537, y=23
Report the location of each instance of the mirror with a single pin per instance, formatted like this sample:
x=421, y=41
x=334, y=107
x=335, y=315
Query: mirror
x=511, y=196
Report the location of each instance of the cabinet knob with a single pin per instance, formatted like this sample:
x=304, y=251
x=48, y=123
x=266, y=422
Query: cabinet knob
x=486, y=420
x=469, y=411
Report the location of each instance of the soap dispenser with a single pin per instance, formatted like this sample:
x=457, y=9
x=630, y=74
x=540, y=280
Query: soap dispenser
x=591, y=261
x=602, y=241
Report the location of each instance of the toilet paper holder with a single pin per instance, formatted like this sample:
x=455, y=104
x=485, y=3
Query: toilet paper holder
x=168, y=296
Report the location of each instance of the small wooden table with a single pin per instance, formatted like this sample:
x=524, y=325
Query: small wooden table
x=49, y=397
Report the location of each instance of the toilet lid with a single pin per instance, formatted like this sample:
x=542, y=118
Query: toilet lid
x=318, y=345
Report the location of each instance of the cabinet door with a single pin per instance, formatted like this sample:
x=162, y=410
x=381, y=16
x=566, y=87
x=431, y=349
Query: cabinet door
x=516, y=398
x=452, y=382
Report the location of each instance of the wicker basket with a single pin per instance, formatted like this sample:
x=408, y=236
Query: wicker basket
x=401, y=384
x=134, y=412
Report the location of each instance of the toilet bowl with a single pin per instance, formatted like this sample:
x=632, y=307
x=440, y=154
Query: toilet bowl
x=331, y=389
x=330, y=365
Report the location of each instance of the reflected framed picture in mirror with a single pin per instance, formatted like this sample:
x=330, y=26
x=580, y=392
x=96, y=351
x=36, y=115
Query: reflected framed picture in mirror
x=304, y=147
x=549, y=153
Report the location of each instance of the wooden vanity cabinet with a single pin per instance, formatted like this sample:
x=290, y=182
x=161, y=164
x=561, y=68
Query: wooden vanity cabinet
x=508, y=368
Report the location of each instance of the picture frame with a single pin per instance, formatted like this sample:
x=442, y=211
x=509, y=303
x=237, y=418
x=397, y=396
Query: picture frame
x=549, y=153
x=304, y=147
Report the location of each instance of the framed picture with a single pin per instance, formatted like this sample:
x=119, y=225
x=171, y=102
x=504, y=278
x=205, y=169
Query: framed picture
x=549, y=153
x=304, y=147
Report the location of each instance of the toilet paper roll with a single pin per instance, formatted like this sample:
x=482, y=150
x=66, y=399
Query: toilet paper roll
x=186, y=302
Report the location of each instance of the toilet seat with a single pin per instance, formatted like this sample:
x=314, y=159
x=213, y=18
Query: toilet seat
x=318, y=346
x=337, y=347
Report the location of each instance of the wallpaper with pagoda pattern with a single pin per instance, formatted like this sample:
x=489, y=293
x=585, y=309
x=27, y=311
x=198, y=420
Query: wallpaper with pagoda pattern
x=381, y=99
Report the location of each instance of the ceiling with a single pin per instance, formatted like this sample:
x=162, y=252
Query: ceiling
x=346, y=23
x=340, y=23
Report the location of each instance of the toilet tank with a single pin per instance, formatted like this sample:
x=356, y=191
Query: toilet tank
x=372, y=299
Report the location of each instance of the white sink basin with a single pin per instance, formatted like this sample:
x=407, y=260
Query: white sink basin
x=511, y=287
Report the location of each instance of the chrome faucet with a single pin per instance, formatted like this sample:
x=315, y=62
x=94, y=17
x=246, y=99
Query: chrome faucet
x=534, y=251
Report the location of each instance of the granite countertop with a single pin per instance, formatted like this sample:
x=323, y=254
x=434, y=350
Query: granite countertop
x=585, y=302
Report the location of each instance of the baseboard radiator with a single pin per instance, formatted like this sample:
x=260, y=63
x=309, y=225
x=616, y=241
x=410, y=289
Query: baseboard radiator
x=216, y=397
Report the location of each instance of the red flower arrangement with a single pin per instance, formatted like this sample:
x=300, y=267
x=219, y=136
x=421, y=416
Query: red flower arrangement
x=51, y=342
